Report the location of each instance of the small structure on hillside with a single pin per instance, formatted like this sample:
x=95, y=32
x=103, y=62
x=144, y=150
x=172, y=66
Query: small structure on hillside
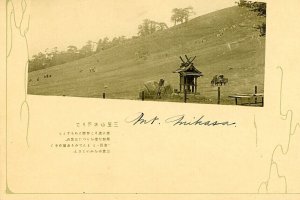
x=188, y=75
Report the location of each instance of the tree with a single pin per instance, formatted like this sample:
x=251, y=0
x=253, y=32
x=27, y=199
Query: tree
x=149, y=26
x=161, y=26
x=103, y=44
x=181, y=14
x=117, y=41
x=87, y=49
x=99, y=45
x=72, y=49
x=242, y=3
x=152, y=26
x=144, y=28
x=187, y=12
x=176, y=17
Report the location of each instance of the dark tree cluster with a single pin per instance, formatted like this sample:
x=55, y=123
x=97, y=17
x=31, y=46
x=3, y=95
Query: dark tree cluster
x=259, y=7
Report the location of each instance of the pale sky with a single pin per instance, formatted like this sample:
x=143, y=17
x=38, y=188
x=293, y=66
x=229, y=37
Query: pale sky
x=73, y=22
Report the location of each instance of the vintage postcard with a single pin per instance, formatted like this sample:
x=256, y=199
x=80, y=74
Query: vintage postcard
x=112, y=99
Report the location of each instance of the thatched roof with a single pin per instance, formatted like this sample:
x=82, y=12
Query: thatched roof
x=189, y=70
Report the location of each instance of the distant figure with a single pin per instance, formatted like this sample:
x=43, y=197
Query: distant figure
x=38, y=79
x=50, y=76
x=92, y=69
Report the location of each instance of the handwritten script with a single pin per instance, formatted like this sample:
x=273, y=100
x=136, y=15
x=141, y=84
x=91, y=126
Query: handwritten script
x=178, y=120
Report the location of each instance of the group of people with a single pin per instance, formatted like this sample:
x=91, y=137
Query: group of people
x=219, y=80
x=45, y=76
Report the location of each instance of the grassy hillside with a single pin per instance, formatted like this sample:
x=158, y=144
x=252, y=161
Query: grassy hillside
x=225, y=42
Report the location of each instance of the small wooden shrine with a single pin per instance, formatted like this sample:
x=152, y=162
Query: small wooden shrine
x=188, y=75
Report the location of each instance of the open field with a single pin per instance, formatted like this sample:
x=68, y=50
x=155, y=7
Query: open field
x=225, y=42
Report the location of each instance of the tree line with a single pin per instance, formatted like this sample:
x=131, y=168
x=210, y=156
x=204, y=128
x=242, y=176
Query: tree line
x=52, y=57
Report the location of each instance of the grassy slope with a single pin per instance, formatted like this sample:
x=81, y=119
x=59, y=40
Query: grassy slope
x=119, y=68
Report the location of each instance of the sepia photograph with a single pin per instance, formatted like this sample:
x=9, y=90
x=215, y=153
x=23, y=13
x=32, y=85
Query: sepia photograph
x=180, y=51
x=143, y=99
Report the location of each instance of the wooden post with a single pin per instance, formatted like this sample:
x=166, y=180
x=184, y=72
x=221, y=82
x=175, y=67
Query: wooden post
x=183, y=84
x=180, y=82
x=103, y=95
x=219, y=94
x=255, y=92
x=195, y=85
x=185, y=95
x=143, y=95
